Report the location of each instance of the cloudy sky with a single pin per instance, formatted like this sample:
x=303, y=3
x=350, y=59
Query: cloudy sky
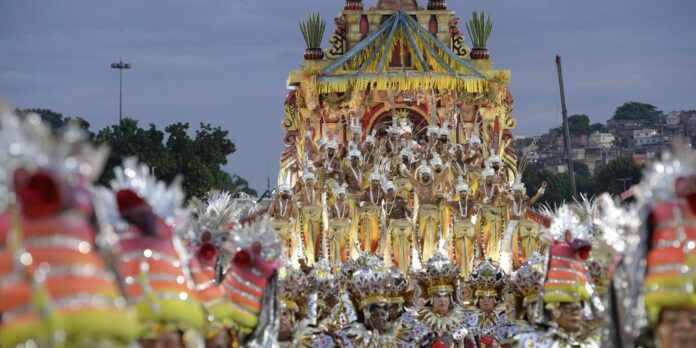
x=225, y=62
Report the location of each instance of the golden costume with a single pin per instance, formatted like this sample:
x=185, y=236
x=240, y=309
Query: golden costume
x=286, y=229
x=428, y=224
x=311, y=230
x=525, y=241
x=474, y=175
x=370, y=216
x=464, y=243
x=404, y=188
x=339, y=238
x=398, y=243
x=354, y=203
x=490, y=222
x=439, y=278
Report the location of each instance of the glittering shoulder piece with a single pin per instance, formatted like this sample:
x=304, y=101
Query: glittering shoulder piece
x=211, y=221
x=659, y=177
x=655, y=217
x=30, y=144
x=262, y=233
x=134, y=190
x=564, y=220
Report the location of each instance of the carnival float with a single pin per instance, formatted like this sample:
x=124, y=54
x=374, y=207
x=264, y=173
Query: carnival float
x=400, y=220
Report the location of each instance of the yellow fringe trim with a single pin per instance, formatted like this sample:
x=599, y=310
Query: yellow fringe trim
x=403, y=83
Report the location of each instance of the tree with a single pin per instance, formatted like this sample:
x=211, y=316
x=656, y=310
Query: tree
x=637, y=111
x=581, y=169
x=533, y=176
x=608, y=176
x=580, y=125
x=55, y=119
x=172, y=153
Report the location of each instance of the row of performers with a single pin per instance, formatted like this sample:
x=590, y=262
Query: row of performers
x=366, y=304
x=384, y=218
x=611, y=276
x=75, y=259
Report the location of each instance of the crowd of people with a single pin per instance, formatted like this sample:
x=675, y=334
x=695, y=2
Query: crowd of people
x=401, y=198
x=380, y=265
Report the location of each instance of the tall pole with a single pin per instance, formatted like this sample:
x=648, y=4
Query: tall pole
x=120, y=96
x=569, y=153
x=120, y=66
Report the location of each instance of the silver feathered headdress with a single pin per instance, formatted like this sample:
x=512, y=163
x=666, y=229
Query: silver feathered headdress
x=165, y=200
x=29, y=143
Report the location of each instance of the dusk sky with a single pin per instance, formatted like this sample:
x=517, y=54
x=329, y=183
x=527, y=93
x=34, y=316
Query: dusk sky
x=225, y=62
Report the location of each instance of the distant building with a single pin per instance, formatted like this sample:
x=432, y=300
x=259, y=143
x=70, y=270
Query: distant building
x=600, y=140
x=672, y=119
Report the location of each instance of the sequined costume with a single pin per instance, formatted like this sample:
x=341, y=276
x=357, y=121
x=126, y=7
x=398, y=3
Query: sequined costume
x=448, y=328
x=56, y=286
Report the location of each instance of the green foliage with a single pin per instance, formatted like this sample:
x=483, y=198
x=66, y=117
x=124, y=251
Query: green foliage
x=558, y=190
x=479, y=28
x=581, y=169
x=169, y=153
x=55, y=119
x=172, y=152
x=533, y=176
x=580, y=125
x=637, y=111
x=620, y=168
x=313, y=30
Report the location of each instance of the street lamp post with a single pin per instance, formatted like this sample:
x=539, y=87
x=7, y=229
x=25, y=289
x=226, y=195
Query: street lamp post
x=120, y=66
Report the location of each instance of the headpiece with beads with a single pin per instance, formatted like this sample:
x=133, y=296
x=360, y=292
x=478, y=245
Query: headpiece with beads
x=293, y=287
x=486, y=280
x=370, y=282
x=527, y=281
x=388, y=185
x=439, y=275
x=462, y=186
